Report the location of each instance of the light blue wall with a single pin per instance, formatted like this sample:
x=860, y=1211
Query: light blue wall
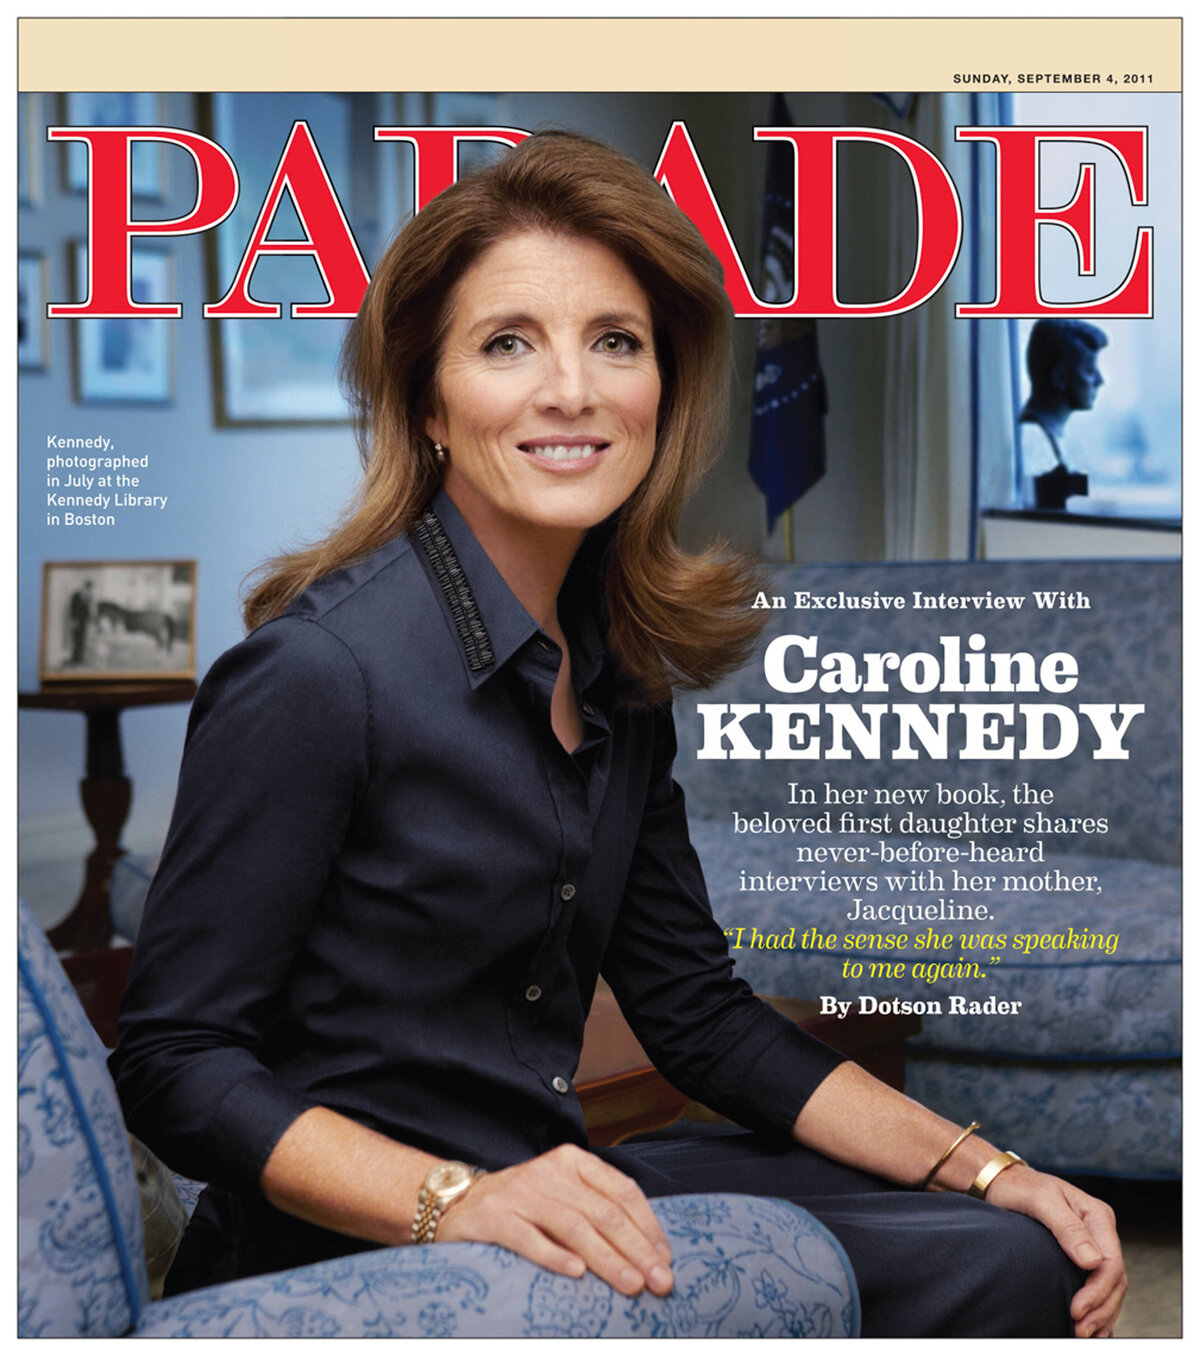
x=235, y=495
x=238, y=495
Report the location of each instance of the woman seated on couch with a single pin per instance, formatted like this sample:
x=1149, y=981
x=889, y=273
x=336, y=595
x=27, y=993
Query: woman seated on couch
x=429, y=799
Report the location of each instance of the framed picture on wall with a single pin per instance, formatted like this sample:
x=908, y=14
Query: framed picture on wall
x=33, y=334
x=125, y=358
x=106, y=619
x=114, y=108
x=277, y=369
x=29, y=149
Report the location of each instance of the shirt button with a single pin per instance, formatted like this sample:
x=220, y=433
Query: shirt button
x=567, y=891
x=560, y=1084
x=533, y=993
x=588, y=710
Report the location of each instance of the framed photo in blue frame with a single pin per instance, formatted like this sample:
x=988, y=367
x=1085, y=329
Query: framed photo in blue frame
x=276, y=370
x=126, y=359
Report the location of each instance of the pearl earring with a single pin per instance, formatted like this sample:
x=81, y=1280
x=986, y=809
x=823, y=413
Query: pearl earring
x=439, y=452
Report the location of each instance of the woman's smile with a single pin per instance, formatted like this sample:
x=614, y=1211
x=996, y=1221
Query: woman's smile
x=564, y=449
x=548, y=387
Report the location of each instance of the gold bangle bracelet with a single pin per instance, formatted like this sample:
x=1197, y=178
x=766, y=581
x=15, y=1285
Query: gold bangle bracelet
x=933, y=1172
x=990, y=1171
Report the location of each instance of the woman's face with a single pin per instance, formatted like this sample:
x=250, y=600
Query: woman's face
x=548, y=387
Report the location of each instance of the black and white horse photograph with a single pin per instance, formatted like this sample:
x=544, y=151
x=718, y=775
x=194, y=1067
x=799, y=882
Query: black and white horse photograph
x=118, y=619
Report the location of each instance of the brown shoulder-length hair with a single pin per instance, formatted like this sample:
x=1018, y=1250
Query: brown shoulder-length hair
x=674, y=619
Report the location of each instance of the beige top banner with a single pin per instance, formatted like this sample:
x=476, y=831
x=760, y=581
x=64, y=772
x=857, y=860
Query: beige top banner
x=1043, y=55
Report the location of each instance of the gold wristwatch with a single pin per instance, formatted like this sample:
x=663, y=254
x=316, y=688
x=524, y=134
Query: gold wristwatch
x=444, y=1185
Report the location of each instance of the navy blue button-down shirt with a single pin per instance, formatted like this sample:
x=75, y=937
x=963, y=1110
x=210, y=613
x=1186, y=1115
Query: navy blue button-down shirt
x=388, y=889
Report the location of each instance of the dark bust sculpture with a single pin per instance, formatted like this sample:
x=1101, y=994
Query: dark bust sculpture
x=1064, y=377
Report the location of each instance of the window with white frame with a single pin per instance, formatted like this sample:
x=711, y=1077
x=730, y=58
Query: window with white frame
x=1129, y=442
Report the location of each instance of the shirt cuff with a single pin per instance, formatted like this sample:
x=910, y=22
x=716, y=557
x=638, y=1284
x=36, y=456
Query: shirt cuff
x=248, y=1123
x=774, y=1087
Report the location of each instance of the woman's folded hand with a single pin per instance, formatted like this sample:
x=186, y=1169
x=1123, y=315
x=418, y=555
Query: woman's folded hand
x=1086, y=1231
x=570, y=1212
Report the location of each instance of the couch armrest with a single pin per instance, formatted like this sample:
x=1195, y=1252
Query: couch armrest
x=744, y=1266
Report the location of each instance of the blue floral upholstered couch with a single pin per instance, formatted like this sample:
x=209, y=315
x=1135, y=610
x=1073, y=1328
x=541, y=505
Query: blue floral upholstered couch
x=743, y=1266
x=1085, y=1076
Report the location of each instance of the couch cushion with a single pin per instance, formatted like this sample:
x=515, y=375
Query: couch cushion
x=1127, y=644
x=80, y=1260
x=164, y=1214
x=131, y=876
x=1119, y=1120
x=744, y=1267
x=1076, y=1003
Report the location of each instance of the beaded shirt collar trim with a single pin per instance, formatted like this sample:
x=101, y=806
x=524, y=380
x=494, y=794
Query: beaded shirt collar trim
x=430, y=536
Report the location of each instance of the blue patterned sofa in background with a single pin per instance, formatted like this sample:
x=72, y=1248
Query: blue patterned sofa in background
x=743, y=1266
x=1085, y=1077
